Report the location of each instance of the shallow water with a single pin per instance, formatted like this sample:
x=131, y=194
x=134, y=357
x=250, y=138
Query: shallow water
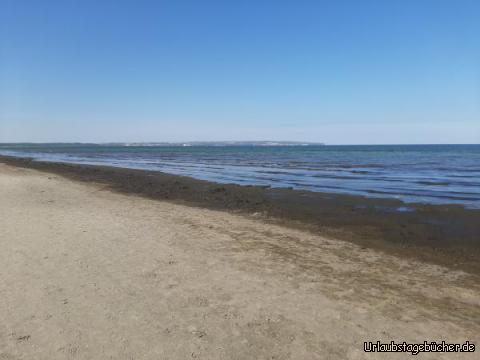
x=435, y=174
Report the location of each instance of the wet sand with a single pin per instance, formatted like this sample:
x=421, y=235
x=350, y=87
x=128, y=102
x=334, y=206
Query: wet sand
x=447, y=235
x=90, y=273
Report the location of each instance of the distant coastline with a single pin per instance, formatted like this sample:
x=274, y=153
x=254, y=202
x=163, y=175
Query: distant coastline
x=176, y=143
x=222, y=143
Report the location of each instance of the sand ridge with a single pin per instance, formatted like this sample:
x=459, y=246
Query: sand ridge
x=92, y=274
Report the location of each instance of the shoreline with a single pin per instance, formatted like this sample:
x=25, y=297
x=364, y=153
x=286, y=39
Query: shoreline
x=90, y=273
x=447, y=235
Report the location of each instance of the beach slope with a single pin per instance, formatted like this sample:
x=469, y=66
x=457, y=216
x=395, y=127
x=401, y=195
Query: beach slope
x=88, y=273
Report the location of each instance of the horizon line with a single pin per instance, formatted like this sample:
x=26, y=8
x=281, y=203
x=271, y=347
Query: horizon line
x=221, y=142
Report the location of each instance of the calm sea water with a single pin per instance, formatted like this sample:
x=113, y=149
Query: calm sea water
x=436, y=174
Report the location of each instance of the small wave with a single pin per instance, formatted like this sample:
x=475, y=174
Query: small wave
x=436, y=183
x=426, y=194
x=360, y=172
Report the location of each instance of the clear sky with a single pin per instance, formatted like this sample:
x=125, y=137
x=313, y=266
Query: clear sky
x=340, y=72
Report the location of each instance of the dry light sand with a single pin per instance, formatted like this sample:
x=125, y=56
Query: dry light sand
x=91, y=274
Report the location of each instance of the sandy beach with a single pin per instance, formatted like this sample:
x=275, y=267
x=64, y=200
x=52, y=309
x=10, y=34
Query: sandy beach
x=90, y=273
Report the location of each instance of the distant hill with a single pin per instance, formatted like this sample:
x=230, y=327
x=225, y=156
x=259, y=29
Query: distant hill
x=224, y=143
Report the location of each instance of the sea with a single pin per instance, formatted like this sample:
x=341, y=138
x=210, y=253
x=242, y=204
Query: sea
x=431, y=174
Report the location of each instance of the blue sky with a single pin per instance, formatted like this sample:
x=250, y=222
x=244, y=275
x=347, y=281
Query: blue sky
x=340, y=72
